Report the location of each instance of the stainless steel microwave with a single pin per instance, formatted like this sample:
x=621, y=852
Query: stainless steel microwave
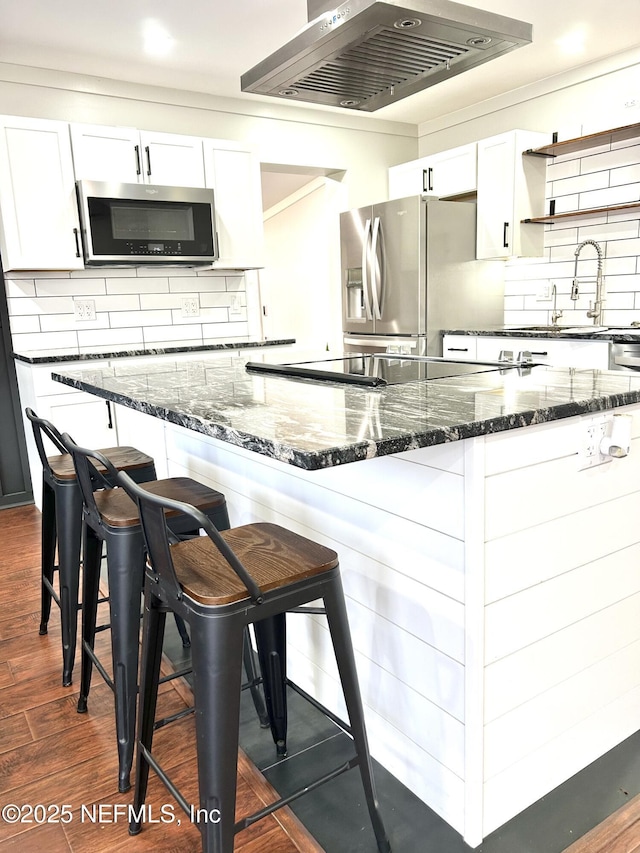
x=139, y=224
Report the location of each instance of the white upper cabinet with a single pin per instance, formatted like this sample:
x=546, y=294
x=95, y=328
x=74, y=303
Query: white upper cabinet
x=40, y=228
x=233, y=172
x=447, y=173
x=511, y=188
x=130, y=156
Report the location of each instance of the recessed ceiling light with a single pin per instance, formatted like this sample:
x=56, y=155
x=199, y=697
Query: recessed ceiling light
x=157, y=41
x=573, y=42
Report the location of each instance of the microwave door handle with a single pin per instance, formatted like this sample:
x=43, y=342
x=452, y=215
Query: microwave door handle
x=376, y=269
x=365, y=265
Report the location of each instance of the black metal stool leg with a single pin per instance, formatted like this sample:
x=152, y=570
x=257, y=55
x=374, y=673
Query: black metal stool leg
x=69, y=527
x=217, y=708
x=125, y=567
x=152, y=638
x=252, y=676
x=182, y=630
x=48, y=543
x=92, y=553
x=341, y=637
x=271, y=639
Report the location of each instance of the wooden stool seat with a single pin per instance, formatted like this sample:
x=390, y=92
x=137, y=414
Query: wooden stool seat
x=273, y=555
x=118, y=510
x=124, y=458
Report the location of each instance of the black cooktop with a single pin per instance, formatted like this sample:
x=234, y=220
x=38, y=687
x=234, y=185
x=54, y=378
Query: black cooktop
x=377, y=369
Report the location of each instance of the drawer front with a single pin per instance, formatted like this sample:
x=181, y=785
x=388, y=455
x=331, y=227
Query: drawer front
x=459, y=347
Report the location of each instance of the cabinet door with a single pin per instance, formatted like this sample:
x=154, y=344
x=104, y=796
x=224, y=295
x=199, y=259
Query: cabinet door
x=40, y=228
x=172, y=159
x=511, y=188
x=234, y=175
x=448, y=173
x=129, y=156
x=106, y=153
x=451, y=172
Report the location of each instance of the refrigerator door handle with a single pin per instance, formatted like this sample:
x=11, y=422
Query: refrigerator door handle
x=376, y=278
x=365, y=267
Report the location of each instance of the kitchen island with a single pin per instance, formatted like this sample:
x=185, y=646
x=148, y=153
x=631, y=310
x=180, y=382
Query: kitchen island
x=490, y=566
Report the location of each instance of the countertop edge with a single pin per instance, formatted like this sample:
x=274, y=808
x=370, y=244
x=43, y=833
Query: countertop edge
x=149, y=351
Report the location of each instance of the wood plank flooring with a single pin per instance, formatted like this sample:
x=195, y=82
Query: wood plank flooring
x=51, y=756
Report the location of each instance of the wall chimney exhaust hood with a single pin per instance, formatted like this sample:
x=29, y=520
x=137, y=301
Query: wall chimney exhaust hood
x=367, y=54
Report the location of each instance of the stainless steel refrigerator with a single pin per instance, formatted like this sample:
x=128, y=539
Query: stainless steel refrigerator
x=409, y=271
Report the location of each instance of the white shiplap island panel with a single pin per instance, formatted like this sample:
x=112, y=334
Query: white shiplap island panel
x=491, y=584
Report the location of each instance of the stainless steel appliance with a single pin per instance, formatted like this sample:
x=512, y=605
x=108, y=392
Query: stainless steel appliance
x=366, y=54
x=409, y=270
x=376, y=370
x=145, y=224
x=624, y=356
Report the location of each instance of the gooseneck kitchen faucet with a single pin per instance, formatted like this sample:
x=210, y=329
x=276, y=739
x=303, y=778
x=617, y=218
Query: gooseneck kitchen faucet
x=597, y=310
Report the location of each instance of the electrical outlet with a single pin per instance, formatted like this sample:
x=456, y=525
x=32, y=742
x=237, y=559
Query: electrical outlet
x=544, y=292
x=190, y=306
x=84, y=309
x=593, y=430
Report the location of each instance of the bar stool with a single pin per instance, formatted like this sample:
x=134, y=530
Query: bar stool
x=62, y=525
x=111, y=517
x=220, y=583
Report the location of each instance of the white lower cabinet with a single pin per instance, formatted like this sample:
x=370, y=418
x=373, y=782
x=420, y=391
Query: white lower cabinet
x=558, y=353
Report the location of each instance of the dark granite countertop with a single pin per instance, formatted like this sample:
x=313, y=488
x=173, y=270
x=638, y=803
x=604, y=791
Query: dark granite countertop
x=316, y=425
x=36, y=357
x=617, y=334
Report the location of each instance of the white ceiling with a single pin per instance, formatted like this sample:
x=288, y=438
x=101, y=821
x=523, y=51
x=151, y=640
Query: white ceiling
x=214, y=42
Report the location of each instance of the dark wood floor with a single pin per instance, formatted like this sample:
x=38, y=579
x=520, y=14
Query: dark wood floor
x=51, y=756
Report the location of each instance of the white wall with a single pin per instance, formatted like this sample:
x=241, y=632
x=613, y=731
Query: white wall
x=300, y=285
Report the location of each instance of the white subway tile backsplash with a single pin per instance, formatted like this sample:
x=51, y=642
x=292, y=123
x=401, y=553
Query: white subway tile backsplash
x=623, y=248
x=45, y=341
x=137, y=285
x=579, y=184
x=68, y=322
x=100, y=338
x=129, y=302
x=17, y=289
x=212, y=333
x=184, y=334
x=176, y=272
x=27, y=323
x=121, y=319
x=199, y=284
x=151, y=301
x=69, y=287
x=613, y=195
x=622, y=282
x=63, y=304
x=611, y=160
x=626, y=175
x=210, y=315
x=618, y=301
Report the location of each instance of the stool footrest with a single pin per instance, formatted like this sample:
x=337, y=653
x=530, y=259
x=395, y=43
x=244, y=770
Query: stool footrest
x=322, y=708
x=99, y=666
x=159, y=724
x=284, y=801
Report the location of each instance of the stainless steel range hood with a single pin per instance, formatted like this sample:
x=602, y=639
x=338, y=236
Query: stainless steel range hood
x=367, y=54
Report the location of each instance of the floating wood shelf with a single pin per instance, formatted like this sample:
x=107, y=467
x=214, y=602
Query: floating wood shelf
x=581, y=143
x=593, y=211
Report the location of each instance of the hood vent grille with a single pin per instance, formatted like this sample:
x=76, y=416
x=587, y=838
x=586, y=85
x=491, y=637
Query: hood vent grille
x=380, y=63
x=367, y=54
